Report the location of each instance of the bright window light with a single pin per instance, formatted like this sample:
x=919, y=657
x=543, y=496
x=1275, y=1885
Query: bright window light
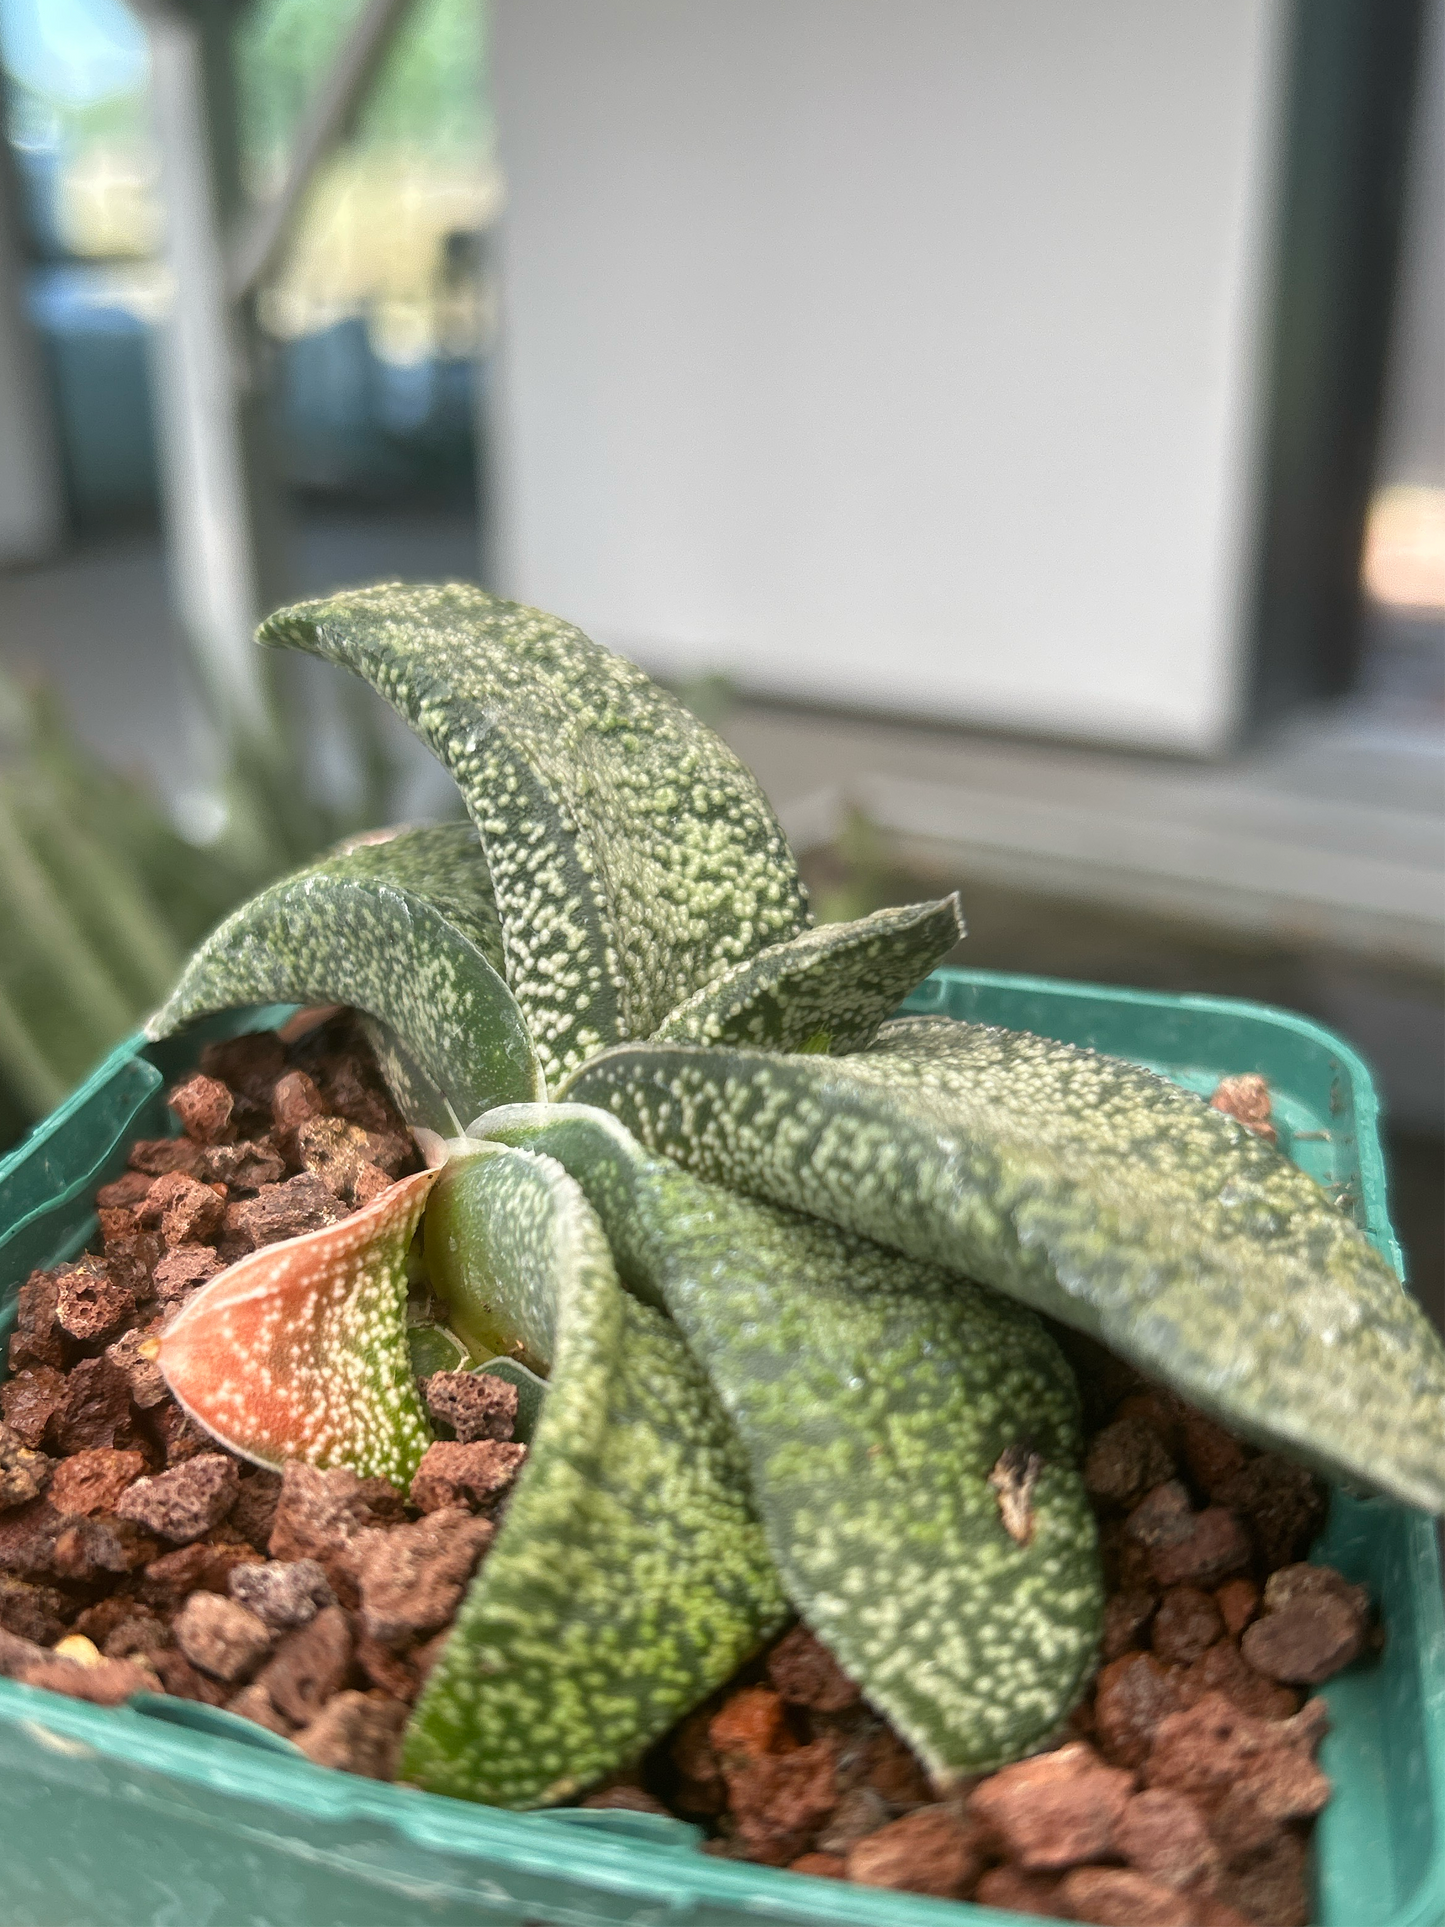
x=1404, y=560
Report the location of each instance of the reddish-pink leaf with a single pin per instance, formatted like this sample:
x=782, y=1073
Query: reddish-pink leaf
x=299, y=1351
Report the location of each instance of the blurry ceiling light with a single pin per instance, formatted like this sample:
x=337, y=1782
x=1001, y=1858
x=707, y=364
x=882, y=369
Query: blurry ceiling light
x=1404, y=558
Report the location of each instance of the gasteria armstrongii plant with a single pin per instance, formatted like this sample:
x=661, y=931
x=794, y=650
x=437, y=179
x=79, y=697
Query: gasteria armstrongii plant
x=780, y=1256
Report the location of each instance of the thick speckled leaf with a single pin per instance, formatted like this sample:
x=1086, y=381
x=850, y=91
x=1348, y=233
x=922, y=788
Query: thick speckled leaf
x=633, y=856
x=631, y=1575
x=415, y=1093
x=299, y=1351
x=442, y=862
x=405, y=931
x=875, y=1396
x=828, y=989
x=1094, y=1191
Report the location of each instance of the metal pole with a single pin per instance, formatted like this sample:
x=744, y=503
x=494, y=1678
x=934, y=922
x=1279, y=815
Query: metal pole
x=203, y=377
x=328, y=118
x=32, y=506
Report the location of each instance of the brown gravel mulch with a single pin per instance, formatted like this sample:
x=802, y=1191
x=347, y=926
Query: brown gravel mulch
x=136, y=1554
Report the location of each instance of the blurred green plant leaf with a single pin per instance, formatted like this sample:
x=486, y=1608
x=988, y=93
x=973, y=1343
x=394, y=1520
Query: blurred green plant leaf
x=102, y=898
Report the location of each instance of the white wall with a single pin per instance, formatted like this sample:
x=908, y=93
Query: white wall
x=1412, y=441
x=893, y=352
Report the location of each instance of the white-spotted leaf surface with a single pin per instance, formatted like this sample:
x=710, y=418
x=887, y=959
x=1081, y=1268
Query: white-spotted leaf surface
x=299, y=1350
x=404, y=931
x=631, y=1576
x=874, y=1396
x=633, y=857
x=1090, y=1189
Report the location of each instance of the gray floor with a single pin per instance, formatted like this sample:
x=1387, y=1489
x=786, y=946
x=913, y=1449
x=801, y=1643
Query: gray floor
x=97, y=624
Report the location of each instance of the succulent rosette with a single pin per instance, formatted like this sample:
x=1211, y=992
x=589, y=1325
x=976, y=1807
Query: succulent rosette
x=783, y=1259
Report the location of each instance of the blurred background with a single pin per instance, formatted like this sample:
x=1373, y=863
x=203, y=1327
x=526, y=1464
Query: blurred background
x=1020, y=430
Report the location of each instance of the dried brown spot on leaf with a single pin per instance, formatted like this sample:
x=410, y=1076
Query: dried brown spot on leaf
x=1013, y=1478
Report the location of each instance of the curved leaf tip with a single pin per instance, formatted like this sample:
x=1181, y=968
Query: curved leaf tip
x=632, y=855
x=405, y=931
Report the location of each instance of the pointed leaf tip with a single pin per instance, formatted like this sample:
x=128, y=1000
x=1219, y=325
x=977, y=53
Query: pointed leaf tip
x=299, y=1350
x=1093, y=1190
x=826, y=990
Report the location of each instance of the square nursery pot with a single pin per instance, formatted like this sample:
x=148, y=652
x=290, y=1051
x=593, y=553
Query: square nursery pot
x=167, y=1812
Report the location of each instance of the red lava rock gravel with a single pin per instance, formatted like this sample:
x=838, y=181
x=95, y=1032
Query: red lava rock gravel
x=204, y=1106
x=411, y=1577
x=1186, y=1625
x=1026, y=1893
x=93, y=1407
x=754, y=1722
x=475, y=1408
x=779, y=1800
x=187, y=1501
x=286, y=1595
x=931, y=1851
x=479, y=1474
x=1163, y=1834
x=805, y=1673
x=1131, y=1696
x=218, y=1636
x=1314, y=1623
x=91, y=1482
x=181, y=1272
x=121, y=1521
x=30, y=1399
x=357, y=1732
x=1120, y=1897
x=89, y=1302
x=277, y=1211
x=24, y=1472
x=1054, y=1810
x=311, y=1664
x=1247, y=1098
x=1126, y=1460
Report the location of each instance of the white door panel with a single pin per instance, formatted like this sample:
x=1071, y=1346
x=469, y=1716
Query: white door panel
x=893, y=352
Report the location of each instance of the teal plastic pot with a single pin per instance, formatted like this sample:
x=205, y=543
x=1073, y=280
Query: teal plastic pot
x=163, y=1814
